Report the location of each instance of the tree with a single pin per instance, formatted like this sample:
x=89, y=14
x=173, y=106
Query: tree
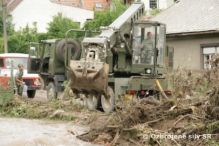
x=106, y=17
x=10, y=26
x=19, y=41
x=59, y=25
x=10, y=30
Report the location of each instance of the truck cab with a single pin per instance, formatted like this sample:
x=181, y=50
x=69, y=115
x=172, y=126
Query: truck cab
x=149, y=48
x=8, y=68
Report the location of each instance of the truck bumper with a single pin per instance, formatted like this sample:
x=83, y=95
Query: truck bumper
x=137, y=84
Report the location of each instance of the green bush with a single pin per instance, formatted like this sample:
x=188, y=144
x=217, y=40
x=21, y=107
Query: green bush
x=6, y=96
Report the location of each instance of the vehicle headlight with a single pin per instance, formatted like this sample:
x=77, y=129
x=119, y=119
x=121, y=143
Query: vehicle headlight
x=37, y=82
x=148, y=71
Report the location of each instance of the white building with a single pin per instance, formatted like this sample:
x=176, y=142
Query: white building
x=158, y=4
x=42, y=12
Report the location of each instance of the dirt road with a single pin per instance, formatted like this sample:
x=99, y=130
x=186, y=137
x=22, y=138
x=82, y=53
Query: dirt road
x=24, y=132
x=40, y=96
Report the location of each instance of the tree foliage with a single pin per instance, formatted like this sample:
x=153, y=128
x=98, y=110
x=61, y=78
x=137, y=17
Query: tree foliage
x=19, y=41
x=106, y=17
x=58, y=27
x=10, y=26
x=154, y=12
x=10, y=30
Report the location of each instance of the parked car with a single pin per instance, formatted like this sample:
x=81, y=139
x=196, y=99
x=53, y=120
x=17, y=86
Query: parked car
x=9, y=65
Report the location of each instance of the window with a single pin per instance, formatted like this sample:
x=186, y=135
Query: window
x=127, y=2
x=15, y=61
x=98, y=5
x=208, y=53
x=170, y=55
x=153, y=4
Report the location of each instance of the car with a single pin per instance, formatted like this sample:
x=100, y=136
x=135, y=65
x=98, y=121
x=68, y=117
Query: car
x=9, y=66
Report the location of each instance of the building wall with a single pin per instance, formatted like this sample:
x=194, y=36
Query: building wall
x=95, y=4
x=42, y=12
x=188, y=51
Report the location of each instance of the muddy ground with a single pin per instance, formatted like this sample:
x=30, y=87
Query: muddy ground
x=40, y=96
x=43, y=123
x=25, y=132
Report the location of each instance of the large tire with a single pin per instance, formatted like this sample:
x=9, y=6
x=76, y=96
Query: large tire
x=31, y=93
x=73, y=45
x=91, y=102
x=108, y=101
x=51, y=92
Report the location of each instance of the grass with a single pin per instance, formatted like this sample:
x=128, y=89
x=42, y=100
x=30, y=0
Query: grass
x=5, y=96
x=212, y=142
x=12, y=106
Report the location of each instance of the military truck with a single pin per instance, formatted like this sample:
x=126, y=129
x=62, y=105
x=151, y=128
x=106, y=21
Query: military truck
x=49, y=59
x=128, y=57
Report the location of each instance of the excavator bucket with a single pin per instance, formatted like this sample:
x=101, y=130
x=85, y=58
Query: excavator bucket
x=89, y=76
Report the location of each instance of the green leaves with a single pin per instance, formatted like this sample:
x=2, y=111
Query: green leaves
x=19, y=41
x=58, y=27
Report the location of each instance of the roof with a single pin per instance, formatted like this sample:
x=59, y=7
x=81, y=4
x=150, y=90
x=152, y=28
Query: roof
x=12, y=4
x=42, y=12
x=86, y=4
x=188, y=16
x=13, y=55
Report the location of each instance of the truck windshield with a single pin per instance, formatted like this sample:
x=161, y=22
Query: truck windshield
x=148, y=45
x=16, y=61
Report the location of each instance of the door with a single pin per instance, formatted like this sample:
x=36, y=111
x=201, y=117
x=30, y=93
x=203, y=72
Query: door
x=34, y=61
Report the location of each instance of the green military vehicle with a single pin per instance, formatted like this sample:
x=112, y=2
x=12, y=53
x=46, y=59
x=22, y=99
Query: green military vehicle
x=49, y=59
x=128, y=57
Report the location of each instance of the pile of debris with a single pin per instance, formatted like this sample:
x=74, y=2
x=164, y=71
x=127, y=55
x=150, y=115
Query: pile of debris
x=189, y=117
x=146, y=122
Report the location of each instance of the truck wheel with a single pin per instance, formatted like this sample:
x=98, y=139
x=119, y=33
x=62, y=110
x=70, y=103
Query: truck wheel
x=31, y=93
x=108, y=102
x=91, y=102
x=51, y=92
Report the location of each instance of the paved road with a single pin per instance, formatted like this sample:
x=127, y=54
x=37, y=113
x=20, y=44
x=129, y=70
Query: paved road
x=24, y=132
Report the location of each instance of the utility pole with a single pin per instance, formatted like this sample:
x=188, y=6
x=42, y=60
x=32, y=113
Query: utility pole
x=4, y=16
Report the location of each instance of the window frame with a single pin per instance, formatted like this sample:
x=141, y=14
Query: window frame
x=153, y=4
x=203, y=46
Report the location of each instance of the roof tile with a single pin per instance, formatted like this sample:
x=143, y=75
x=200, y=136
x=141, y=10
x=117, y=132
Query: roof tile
x=191, y=16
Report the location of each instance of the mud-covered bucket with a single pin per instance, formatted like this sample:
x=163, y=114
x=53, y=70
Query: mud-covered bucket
x=89, y=76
